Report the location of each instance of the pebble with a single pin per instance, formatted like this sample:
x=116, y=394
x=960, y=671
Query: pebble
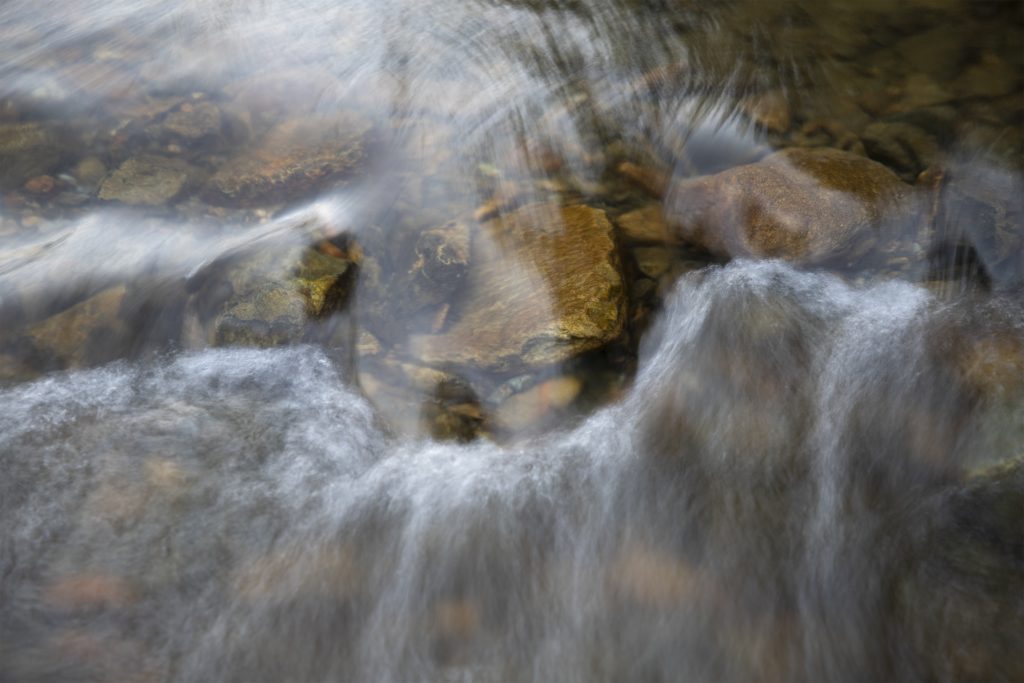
x=41, y=184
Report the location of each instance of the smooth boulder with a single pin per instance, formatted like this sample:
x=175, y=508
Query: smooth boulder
x=803, y=205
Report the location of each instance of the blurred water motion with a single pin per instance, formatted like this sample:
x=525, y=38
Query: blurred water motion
x=511, y=340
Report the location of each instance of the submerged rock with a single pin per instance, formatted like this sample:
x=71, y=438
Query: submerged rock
x=278, y=294
x=26, y=150
x=645, y=226
x=803, y=205
x=193, y=121
x=539, y=405
x=84, y=334
x=417, y=298
x=964, y=600
x=902, y=146
x=148, y=181
x=294, y=158
x=544, y=284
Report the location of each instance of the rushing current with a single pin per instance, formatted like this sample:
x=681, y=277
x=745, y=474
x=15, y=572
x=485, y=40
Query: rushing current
x=772, y=471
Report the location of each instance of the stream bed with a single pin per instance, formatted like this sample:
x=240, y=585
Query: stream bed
x=511, y=340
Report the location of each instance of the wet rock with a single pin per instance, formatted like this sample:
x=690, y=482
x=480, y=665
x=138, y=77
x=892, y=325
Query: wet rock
x=653, y=578
x=921, y=91
x=769, y=110
x=418, y=297
x=653, y=261
x=652, y=180
x=89, y=173
x=293, y=159
x=938, y=51
x=803, y=205
x=544, y=284
x=193, y=121
x=367, y=344
x=461, y=422
x=148, y=181
x=964, y=601
x=982, y=209
x=278, y=295
x=41, y=184
x=538, y=405
x=903, y=146
x=26, y=150
x=993, y=364
x=990, y=76
x=645, y=226
x=87, y=333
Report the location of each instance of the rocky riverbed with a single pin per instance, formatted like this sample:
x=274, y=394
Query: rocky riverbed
x=479, y=232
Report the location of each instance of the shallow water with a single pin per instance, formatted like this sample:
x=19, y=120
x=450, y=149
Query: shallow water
x=772, y=472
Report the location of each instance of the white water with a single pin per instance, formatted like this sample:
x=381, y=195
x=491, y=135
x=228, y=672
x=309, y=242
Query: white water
x=743, y=514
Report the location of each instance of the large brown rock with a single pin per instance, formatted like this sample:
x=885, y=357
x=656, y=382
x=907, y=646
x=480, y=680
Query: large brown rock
x=803, y=205
x=544, y=284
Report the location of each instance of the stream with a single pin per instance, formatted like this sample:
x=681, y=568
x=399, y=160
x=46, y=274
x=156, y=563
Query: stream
x=490, y=340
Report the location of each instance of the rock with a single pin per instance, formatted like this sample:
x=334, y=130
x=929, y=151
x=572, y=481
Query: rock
x=148, y=181
x=89, y=173
x=645, y=226
x=803, y=205
x=993, y=364
x=982, y=205
x=295, y=158
x=26, y=150
x=921, y=91
x=193, y=121
x=769, y=110
x=367, y=345
x=964, y=600
x=418, y=297
x=278, y=293
x=538, y=404
x=87, y=333
x=653, y=261
x=653, y=578
x=990, y=76
x=938, y=51
x=544, y=285
x=903, y=146
x=41, y=184
x=651, y=180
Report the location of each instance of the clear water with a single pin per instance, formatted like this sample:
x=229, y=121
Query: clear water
x=808, y=476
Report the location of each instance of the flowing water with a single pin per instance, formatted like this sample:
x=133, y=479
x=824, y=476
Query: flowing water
x=773, y=471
